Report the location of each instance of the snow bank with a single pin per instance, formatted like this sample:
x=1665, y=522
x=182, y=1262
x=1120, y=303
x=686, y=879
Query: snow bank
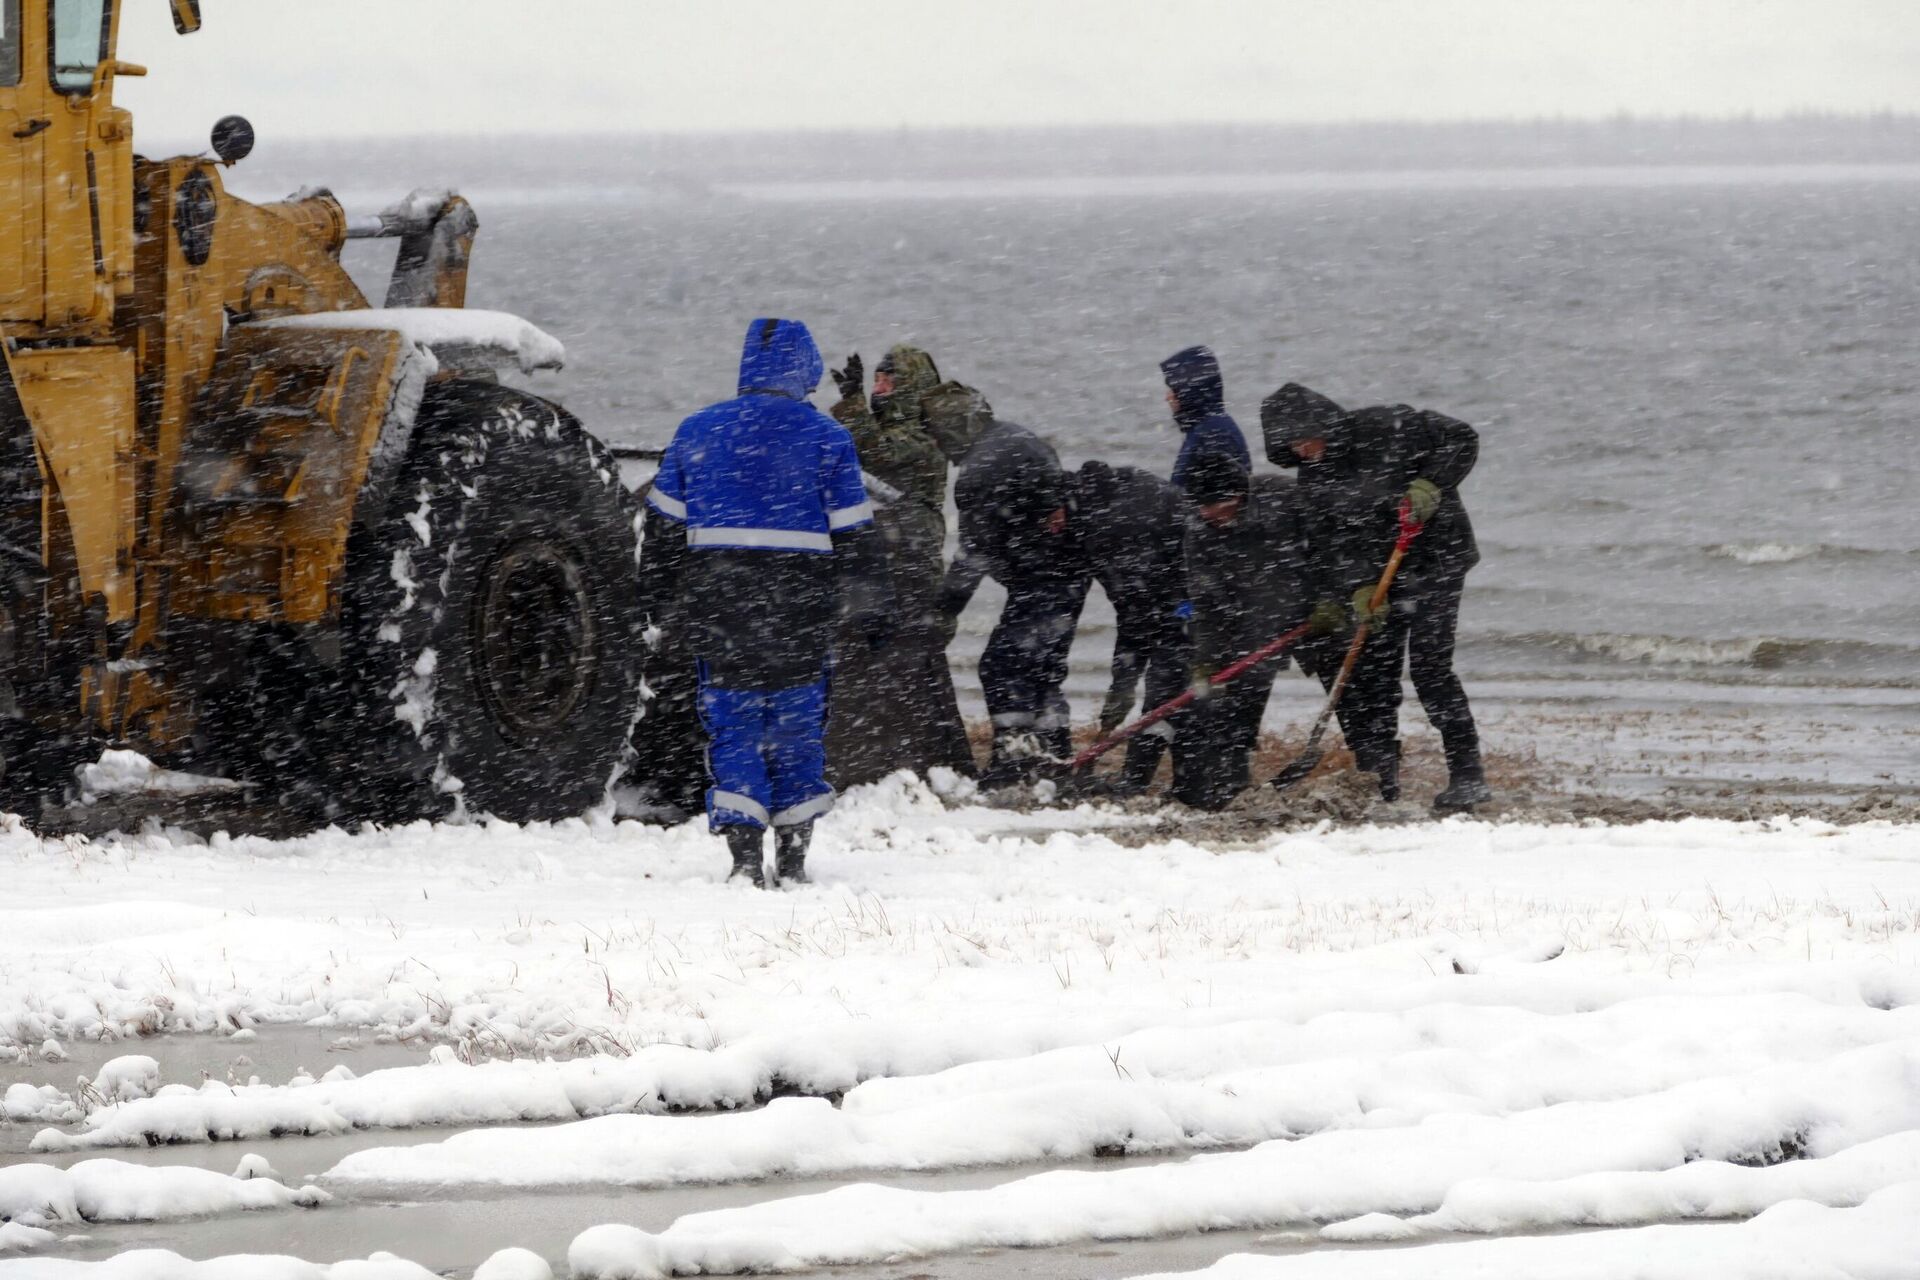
x=38, y=1195
x=1878, y=1240
x=1760, y=1118
x=451, y=333
x=809, y=1137
x=1704, y=1189
x=514, y=1264
x=26, y=1103
x=1202, y=1087
x=127, y=1078
x=159, y=1264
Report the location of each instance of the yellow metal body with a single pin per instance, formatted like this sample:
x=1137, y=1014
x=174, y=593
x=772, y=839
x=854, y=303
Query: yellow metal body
x=193, y=467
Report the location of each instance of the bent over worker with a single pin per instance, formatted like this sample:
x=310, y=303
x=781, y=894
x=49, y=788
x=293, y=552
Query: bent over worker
x=1128, y=525
x=1248, y=576
x=760, y=519
x=1011, y=495
x=1356, y=468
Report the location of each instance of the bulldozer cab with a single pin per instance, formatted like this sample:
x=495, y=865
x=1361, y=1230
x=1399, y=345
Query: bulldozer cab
x=66, y=164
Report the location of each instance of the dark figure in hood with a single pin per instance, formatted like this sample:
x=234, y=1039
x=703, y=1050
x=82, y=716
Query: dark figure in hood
x=1248, y=578
x=1011, y=495
x=1197, y=395
x=1128, y=525
x=1356, y=469
x=759, y=522
x=895, y=708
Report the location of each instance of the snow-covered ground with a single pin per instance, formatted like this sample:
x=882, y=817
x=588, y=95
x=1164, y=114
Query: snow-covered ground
x=1342, y=1037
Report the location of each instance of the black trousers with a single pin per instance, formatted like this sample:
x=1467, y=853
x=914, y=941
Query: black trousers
x=1213, y=746
x=1419, y=638
x=1024, y=664
x=1169, y=669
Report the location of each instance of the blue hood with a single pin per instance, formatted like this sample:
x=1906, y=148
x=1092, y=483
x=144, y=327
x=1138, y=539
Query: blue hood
x=780, y=357
x=1194, y=375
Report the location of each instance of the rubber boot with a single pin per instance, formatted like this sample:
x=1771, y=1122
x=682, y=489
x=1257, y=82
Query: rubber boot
x=1386, y=773
x=790, y=853
x=749, y=847
x=1466, y=787
x=1007, y=766
x=1057, y=741
x=1143, y=762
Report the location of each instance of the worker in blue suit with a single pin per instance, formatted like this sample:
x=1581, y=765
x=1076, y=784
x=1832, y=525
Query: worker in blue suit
x=759, y=519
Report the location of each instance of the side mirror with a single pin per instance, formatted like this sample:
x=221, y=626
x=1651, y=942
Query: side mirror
x=186, y=16
x=232, y=139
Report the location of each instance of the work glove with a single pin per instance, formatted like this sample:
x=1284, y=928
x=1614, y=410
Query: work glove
x=1423, y=499
x=851, y=380
x=1329, y=618
x=1113, y=712
x=1364, y=614
x=1201, y=686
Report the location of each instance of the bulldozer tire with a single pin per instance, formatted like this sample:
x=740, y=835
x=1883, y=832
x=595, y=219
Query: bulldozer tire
x=40, y=770
x=492, y=627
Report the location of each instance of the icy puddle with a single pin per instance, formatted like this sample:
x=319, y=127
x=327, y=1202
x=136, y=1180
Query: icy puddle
x=272, y=1054
x=453, y=1234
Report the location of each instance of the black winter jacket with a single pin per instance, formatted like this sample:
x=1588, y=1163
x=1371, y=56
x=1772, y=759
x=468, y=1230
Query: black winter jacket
x=1129, y=526
x=1008, y=481
x=1249, y=581
x=1350, y=498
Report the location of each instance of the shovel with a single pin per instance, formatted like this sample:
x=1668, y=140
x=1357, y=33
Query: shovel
x=1172, y=705
x=1302, y=765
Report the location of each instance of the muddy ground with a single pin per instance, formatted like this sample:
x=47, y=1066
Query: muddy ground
x=1528, y=786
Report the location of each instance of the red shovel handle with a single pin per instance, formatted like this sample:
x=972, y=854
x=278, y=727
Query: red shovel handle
x=1170, y=706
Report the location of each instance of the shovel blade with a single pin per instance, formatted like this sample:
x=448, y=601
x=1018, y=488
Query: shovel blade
x=1299, y=770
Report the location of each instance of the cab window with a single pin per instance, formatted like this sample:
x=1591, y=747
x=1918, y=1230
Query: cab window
x=9, y=43
x=80, y=31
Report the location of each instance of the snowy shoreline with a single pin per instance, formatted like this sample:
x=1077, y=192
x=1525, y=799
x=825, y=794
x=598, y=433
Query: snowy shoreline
x=1533, y=1026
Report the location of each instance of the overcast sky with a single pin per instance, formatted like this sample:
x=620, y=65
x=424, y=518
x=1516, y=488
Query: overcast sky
x=350, y=67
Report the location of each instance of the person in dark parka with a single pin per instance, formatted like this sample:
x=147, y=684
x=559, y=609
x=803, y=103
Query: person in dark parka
x=1197, y=395
x=1249, y=580
x=1011, y=497
x=1130, y=526
x=1355, y=469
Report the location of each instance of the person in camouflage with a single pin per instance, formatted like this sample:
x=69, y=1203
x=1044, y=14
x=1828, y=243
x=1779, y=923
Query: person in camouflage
x=895, y=709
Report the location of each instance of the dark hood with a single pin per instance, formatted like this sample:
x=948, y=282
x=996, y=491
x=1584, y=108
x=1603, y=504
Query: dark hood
x=1030, y=492
x=1216, y=476
x=780, y=357
x=1296, y=413
x=1194, y=376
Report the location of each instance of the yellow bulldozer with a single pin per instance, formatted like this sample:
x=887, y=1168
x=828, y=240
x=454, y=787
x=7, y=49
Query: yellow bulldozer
x=253, y=527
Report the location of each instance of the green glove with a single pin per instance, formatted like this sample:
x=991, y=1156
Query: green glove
x=1423, y=499
x=1364, y=614
x=1329, y=618
x=1202, y=686
x=1113, y=712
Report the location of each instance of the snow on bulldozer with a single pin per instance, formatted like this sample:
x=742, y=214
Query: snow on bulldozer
x=255, y=529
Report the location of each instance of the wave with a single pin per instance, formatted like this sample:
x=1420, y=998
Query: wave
x=1764, y=552
x=1756, y=653
x=1748, y=553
